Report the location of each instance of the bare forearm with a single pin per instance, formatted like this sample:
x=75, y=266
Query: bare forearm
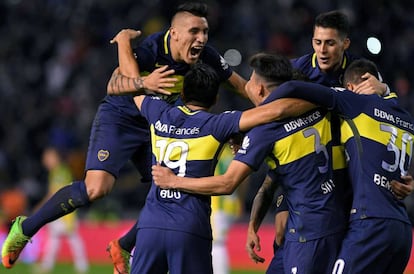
x=126, y=78
x=261, y=204
x=213, y=185
x=273, y=111
x=122, y=85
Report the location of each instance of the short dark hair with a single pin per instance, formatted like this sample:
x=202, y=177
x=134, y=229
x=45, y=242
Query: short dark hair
x=335, y=20
x=201, y=85
x=358, y=68
x=299, y=75
x=273, y=68
x=197, y=9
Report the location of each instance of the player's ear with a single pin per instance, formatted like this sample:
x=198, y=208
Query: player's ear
x=347, y=43
x=173, y=33
x=350, y=86
x=262, y=91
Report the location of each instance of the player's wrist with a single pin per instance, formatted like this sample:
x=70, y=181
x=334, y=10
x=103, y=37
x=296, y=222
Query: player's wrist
x=139, y=84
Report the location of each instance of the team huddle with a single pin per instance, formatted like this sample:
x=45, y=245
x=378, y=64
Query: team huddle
x=337, y=145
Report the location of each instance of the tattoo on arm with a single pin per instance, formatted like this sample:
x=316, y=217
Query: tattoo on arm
x=121, y=84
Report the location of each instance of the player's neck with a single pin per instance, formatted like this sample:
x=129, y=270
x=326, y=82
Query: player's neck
x=195, y=108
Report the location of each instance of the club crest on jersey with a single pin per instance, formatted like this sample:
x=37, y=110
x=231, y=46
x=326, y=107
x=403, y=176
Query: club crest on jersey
x=103, y=155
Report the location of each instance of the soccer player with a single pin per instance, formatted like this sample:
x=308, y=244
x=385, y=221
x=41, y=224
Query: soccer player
x=173, y=51
x=325, y=65
x=298, y=151
x=378, y=137
x=119, y=132
x=174, y=231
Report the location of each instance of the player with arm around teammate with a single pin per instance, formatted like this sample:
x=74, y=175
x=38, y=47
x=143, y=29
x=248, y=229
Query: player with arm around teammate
x=169, y=54
x=119, y=132
x=312, y=239
x=187, y=139
x=326, y=65
x=378, y=138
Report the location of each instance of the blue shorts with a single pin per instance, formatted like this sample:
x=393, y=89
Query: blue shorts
x=117, y=137
x=276, y=264
x=169, y=251
x=375, y=246
x=315, y=256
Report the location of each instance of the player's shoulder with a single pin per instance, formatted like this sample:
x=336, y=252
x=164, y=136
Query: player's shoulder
x=154, y=102
x=154, y=37
x=153, y=42
x=298, y=62
x=209, y=54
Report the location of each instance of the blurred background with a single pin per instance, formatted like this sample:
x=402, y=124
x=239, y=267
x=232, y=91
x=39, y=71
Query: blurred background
x=56, y=59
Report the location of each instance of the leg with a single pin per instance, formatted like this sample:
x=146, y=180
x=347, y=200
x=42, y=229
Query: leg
x=111, y=130
x=221, y=222
x=187, y=253
x=150, y=257
x=52, y=246
x=78, y=252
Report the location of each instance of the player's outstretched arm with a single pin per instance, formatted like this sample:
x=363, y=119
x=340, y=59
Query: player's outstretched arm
x=261, y=204
x=126, y=79
x=213, y=185
x=276, y=110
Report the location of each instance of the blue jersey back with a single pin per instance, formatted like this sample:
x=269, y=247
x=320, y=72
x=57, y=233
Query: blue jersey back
x=154, y=52
x=378, y=136
x=189, y=143
x=299, y=151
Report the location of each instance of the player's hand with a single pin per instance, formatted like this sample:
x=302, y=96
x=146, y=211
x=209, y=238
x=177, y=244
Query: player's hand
x=402, y=190
x=163, y=176
x=160, y=79
x=125, y=36
x=253, y=245
x=370, y=85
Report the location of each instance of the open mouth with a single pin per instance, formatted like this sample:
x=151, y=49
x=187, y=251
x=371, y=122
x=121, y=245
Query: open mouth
x=324, y=60
x=195, y=51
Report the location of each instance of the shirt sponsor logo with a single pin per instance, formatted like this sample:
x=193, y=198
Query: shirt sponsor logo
x=302, y=122
x=171, y=129
x=393, y=119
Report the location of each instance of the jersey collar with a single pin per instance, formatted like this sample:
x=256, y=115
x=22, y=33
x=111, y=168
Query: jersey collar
x=315, y=64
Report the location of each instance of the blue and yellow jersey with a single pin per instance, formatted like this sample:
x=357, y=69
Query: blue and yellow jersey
x=154, y=52
x=378, y=137
x=299, y=151
x=188, y=142
x=308, y=65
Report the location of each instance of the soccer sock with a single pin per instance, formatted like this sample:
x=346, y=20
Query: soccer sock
x=63, y=202
x=127, y=242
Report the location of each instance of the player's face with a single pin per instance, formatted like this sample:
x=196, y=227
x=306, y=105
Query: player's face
x=329, y=48
x=254, y=88
x=189, y=34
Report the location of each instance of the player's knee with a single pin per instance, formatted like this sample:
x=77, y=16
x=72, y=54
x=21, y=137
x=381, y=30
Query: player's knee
x=98, y=184
x=97, y=191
